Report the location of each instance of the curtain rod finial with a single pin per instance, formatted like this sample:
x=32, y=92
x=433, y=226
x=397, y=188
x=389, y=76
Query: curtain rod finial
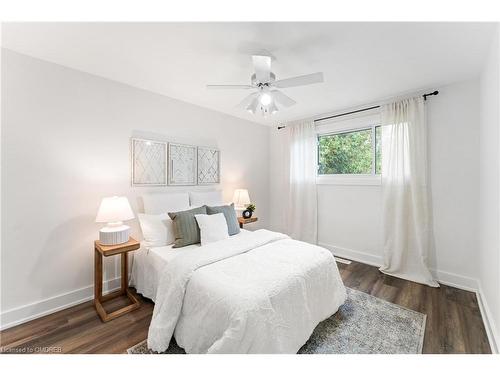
x=435, y=92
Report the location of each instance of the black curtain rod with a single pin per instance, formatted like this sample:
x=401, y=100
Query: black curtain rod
x=360, y=110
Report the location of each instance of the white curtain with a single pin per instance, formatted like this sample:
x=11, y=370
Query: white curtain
x=301, y=208
x=407, y=227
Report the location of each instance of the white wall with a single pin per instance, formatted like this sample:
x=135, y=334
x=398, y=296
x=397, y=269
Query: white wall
x=349, y=216
x=65, y=145
x=453, y=122
x=489, y=208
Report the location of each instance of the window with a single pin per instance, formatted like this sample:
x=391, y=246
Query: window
x=345, y=153
x=350, y=151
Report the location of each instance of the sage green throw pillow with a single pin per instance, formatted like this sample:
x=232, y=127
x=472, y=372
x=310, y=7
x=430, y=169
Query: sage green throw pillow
x=233, y=226
x=186, y=230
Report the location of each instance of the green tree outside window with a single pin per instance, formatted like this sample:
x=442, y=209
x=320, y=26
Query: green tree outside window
x=349, y=152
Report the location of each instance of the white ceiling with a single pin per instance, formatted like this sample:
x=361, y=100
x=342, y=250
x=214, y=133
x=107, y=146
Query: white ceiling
x=362, y=62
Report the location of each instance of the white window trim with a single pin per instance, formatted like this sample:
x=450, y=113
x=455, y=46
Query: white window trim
x=349, y=179
x=352, y=124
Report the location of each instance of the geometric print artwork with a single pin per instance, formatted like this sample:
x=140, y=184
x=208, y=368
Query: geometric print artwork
x=208, y=166
x=182, y=164
x=148, y=162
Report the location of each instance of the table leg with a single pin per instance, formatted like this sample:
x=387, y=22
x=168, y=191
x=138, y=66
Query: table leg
x=99, y=298
x=124, y=273
x=98, y=284
x=97, y=275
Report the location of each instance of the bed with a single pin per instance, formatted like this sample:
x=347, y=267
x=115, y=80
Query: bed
x=254, y=292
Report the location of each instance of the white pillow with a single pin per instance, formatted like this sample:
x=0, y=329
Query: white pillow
x=209, y=198
x=157, y=230
x=212, y=228
x=161, y=203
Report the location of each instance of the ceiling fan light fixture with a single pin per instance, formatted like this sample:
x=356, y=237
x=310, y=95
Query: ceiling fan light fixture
x=265, y=99
x=272, y=108
x=252, y=107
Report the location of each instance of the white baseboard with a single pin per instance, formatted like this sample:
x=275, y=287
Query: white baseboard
x=445, y=278
x=456, y=281
x=22, y=314
x=489, y=322
x=357, y=256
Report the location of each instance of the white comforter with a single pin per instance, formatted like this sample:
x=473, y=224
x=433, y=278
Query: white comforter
x=259, y=292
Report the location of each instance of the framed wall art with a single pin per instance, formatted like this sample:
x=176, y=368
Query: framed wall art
x=182, y=164
x=208, y=166
x=149, y=162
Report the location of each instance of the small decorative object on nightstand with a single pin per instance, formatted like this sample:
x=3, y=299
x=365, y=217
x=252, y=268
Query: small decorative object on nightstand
x=101, y=250
x=242, y=220
x=248, y=212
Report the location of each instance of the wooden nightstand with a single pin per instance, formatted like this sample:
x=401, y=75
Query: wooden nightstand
x=242, y=220
x=109, y=250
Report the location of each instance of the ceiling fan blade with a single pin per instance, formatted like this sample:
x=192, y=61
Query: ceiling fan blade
x=262, y=65
x=247, y=101
x=223, y=87
x=307, y=79
x=282, y=98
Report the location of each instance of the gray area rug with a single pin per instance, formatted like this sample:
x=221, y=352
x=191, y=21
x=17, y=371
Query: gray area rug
x=363, y=325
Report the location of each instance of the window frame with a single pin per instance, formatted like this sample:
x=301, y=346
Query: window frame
x=350, y=125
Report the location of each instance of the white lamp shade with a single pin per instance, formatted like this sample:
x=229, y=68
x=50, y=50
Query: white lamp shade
x=114, y=209
x=241, y=198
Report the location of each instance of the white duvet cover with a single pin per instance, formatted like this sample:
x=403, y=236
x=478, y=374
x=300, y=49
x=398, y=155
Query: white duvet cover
x=257, y=292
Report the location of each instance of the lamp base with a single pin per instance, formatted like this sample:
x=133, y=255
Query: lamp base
x=114, y=235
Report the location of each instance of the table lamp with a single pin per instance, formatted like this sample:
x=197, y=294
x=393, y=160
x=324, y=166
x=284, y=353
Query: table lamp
x=241, y=199
x=113, y=211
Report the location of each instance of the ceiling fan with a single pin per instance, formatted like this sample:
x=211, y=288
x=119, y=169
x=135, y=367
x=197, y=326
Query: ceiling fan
x=267, y=98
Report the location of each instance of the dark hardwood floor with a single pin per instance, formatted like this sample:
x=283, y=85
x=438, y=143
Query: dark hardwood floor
x=454, y=323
